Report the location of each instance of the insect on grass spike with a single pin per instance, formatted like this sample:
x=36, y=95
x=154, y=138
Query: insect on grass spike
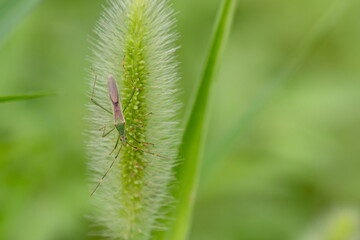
x=119, y=124
x=137, y=109
x=119, y=120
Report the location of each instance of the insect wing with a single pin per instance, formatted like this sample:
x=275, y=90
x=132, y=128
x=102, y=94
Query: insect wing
x=113, y=90
x=114, y=97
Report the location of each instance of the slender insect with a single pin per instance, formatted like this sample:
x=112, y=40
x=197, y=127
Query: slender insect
x=119, y=123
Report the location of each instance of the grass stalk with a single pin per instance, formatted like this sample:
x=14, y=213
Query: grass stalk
x=195, y=132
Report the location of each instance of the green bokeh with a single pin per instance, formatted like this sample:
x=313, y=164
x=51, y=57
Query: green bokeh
x=283, y=147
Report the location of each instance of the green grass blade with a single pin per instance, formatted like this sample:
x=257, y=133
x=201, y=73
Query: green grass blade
x=11, y=13
x=191, y=150
x=25, y=97
x=325, y=23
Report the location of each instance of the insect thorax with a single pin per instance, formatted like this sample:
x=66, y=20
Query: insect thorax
x=120, y=127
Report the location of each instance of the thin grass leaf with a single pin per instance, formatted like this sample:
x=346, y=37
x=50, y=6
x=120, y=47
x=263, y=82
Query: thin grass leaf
x=191, y=150
x=25, y=97
x=326, y=21
x=11, y=13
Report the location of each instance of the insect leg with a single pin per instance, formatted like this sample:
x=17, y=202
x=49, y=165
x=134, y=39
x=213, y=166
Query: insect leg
x=104, y=134
x=122, y=143
x=107, y=171
x=102, y=107
x=131, y=96
x=141, y=142
x=135, y=125
x=144, y=151
x=147, y=114
x=92, y=95
x=93, y=89
x=139, y=121
x=116, y=144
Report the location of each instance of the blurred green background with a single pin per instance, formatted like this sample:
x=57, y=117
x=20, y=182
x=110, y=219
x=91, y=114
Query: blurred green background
x=282, y=157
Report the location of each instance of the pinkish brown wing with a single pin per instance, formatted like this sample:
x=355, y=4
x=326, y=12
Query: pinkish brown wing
x=113, y=90
x=114, y=97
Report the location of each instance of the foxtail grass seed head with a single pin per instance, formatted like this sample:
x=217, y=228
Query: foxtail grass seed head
x=135, y=46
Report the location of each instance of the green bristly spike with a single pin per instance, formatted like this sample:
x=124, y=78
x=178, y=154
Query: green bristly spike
x=135, y=166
